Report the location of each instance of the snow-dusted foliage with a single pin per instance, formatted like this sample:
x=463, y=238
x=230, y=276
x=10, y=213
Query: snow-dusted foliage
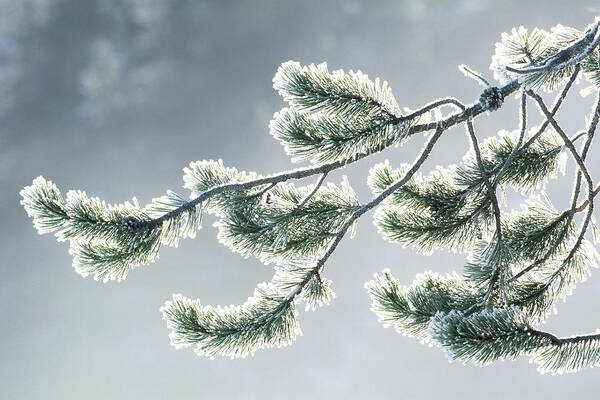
x=519, y=263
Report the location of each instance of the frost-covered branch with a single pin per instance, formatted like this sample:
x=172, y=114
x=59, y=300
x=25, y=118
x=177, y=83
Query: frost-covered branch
x=497, y=269
x=519, y=263
x=568, y=56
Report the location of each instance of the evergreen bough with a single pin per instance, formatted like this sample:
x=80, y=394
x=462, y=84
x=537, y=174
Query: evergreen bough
x=519, y=262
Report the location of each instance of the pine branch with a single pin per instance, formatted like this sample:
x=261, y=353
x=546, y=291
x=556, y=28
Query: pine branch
x=449, y=207
x=366, y=207
x=568, y=214
x=409, y=309
x=497, y=270
x=352, y=95
x=582, y=168
x=567, y=355
x=484, y=336
x=470, y=112
x=557, y=103
x=539, y=294
x=566, y=57
x=265, y=320
x=444, y=124
x=335, y=119
x=276, y=228
x=565, y=137
x=138, y=223
x=187, y=318
x=494, y=267
x=542, y=59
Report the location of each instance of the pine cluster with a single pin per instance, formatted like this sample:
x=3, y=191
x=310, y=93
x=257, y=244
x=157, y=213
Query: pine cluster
x=519, y=262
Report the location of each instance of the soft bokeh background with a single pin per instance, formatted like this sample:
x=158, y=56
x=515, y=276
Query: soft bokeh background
x=115, y=97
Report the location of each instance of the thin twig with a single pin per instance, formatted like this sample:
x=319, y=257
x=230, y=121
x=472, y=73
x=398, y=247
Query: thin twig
x=557, y=103
x=433, y=105
x=470, y=112
x=263, y=191
x=567, y=141
x=312, y=193
x=496, y=207
x=583, y=170
x=577, y=136
x=515, y=150
x=569, y=213
x=584, y=205
x=574, y=208
x=465, y=69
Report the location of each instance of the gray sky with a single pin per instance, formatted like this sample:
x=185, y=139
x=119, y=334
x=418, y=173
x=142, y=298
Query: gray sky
x=115, y=98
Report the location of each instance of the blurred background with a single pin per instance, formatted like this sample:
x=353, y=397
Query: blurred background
x=116, y=97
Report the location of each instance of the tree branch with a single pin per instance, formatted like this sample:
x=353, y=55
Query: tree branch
x=591, y=192
x=566, y=57
x=471, y=112
x=363, y=209
x=446, y=123
x=494, y=200
x=560, y=341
